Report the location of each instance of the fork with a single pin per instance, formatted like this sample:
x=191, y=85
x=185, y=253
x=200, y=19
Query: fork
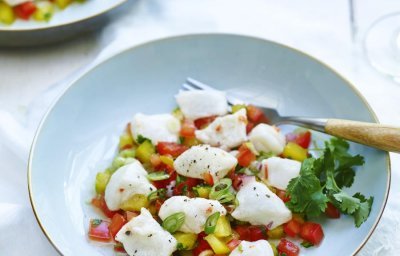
x=379, y=136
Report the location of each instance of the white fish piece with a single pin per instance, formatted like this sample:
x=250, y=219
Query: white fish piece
x=161, y=127
x=127, y=181
x=279, y=171
x=200, y=160
x=196, y=210
x=260, y=206
x=226, y=131
x=143, y=236
x=257, y=248
x=202, y=103
x=266, y=138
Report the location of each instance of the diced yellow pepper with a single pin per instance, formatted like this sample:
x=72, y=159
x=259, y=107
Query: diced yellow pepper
x=7, y=15
x=62, y=4
x=190, y=142
x=102, y=179
x=223, y=227
x=187, y=241
x=135, y=203
x=44, y=11
x=298, y=217
x=273, y=246
x=218, y=246
x=276, y=233
x=168, y=160
x=295, y=152
x=203, y=191
x=237, y=107
x=144, y=151
x=125, y=140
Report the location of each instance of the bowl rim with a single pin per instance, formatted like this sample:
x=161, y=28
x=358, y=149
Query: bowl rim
x=92, y=68
x=11, y=29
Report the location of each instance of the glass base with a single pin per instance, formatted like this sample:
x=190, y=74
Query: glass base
x=382, y=45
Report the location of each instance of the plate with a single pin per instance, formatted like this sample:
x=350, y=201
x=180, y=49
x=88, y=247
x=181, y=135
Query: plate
x=78, y=18
x=79, y=135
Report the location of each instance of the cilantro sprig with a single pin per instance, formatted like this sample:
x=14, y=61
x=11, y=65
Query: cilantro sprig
x=322, y=179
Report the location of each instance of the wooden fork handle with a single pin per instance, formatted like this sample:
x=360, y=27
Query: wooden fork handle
x=380, y=136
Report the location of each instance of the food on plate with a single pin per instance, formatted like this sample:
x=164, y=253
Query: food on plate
x=38, y=10
x=209, y=180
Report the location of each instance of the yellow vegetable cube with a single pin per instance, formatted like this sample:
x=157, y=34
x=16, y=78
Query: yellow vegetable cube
x=203, y=191
x=223, y=227
x=44, y=11
x=276, y=233
x=186, y=241
x=125, y=141
x=144, y=151
x=102, y=179
x=62, y=4
x=218, y=246
x=168, y=160
x=295, y=152
x=135, y=203
x=273, y=246
x=7, y=15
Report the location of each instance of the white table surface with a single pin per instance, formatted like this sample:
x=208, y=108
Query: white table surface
x=320, y=28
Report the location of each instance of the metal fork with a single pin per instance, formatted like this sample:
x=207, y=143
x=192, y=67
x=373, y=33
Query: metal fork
x=380, y=136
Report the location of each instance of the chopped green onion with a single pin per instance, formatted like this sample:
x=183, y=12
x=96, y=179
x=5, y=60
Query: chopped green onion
x=221, y=191
x=264, y=155
x=211, y=223
x=127, y=153
x=173, y=222
x=157, y=176
x=160, y=193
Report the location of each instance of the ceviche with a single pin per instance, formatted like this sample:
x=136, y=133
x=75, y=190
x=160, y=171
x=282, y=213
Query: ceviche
x=39, y=10
x=209, y=179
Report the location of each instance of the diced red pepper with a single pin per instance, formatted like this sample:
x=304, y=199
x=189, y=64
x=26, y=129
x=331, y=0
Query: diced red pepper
x=249, y=127
x=233, y=244
x=100, y=203
x=188, y=128
x=243, y=232
x=256, y=115
x=99, y=230
x=282, y=195
x=118, y=247
x=185, y=187
x=304, y=139
x=245, y=156
x=203, y=122
x=170, y=148
x=208, y=179
x=202, y=245
x=288, y=248
x=117, y=222
x=237, y=180
x=164, y=183
x=312, y=232
x=332, y=212
x=25, y=10
x=257, y=233
x=292, y=228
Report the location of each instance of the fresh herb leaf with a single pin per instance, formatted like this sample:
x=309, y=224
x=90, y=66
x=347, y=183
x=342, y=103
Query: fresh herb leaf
x=361, y=215
x=140, y=139
x=306, y=244
x=347, y=204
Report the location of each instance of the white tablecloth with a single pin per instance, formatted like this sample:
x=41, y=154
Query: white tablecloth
x=31, y=78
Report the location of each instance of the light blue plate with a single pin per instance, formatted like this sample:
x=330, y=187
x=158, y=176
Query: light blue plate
x=79, y=135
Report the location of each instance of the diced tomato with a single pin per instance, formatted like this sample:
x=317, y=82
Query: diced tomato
x=117, y=222
x=245, y=156
x=158, y=204
x=282, y=195
x=249, y=127
x=170, y=148
x=100, y=203
x=304, y=139
x=312, y=232
x=164, y=183
x=288, y=248
x=257, y=233
x=188, y=128
x=202, y=245
x=256, y=115
x=208, y=179
x=130, y=215
x=332, y=212
x=185, y=187
x=203, y=122
x=25, y=10
x=155, y=160
x=243, y=232
x=99, y=230
x=292, y=228
x=233, y=244
x=118, y=247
